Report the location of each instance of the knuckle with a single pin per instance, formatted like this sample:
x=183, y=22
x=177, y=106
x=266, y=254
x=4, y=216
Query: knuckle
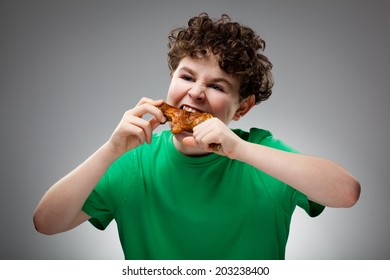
x=144, y=100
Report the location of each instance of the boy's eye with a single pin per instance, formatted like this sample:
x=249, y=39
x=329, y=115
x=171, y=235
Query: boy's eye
x=216, y=87
x=187, y=78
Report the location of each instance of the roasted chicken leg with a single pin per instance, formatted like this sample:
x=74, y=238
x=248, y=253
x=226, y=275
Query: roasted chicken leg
x=182, y=120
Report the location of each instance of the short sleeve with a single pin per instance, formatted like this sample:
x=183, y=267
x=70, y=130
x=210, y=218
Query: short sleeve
x=109, y=193
x=312, y=208
x=97, y=208
x=266, y=138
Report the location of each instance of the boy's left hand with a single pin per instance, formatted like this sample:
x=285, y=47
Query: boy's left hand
x=215, y=133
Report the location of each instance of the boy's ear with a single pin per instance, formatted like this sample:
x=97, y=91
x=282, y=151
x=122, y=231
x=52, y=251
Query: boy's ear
x=245, y=106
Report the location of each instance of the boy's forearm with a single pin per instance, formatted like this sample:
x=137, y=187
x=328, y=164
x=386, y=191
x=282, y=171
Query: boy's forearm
x=323, y=181
x=63, y=201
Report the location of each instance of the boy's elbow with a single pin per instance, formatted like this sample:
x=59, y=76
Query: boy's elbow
x=40, y=225
x=352, y=194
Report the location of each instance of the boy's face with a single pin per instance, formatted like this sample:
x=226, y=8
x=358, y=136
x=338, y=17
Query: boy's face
x=201, y=85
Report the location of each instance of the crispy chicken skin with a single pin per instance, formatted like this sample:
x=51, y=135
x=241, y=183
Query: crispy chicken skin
x=182, y=120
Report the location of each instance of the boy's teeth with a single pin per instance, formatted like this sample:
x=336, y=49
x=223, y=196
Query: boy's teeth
x=188, y=109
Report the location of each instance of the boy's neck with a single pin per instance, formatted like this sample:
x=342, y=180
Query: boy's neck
x=187, y=150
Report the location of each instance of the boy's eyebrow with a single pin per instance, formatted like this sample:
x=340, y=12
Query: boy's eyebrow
x=223, y=80
x=215, y=80
x=187, y=69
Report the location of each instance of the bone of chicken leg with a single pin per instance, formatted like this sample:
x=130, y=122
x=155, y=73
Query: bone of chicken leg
x=182, y=120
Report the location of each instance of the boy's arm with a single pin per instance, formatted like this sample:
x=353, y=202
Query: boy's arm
x=322, y=180
x=60, y=208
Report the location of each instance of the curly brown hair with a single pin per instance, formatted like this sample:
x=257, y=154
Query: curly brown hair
x=237, y=47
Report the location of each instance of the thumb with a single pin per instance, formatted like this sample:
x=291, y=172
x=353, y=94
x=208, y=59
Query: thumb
x=190, y=141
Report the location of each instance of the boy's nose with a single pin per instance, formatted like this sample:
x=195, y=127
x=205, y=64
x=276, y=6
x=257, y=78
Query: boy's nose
x=198, y=92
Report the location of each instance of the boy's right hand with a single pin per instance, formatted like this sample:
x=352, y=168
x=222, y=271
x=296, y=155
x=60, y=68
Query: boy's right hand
x=133, y=130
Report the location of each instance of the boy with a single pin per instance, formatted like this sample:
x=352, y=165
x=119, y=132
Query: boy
x=174, y=196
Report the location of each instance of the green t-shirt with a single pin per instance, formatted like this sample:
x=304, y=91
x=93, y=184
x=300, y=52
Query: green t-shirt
x=171, y=206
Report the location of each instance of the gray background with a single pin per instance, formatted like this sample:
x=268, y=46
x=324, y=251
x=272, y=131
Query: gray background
x=69, y=70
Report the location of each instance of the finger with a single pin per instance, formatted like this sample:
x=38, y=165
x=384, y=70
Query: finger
x=129, y=135
x=190, y=141
x=147, y=108
x=146, y=100
x=204, y=136
x=142, y=128
x=207, y=136
x=154, y=123
x=138, y=134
